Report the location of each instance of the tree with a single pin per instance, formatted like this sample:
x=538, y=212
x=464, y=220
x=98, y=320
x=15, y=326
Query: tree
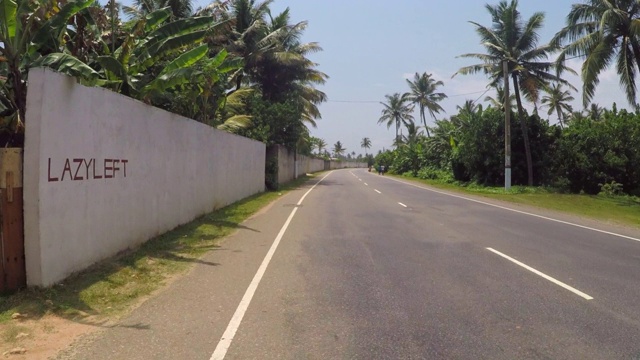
x=595, y=112
x=33, y=34
x=557, y=100
x=132, y=68
x=285, y=71
x=512, y=40
x=498, y=101
x=396, y=111
x=422, y=92
x=365, y=144
x=246, y=34
x=321, y=144
x=603, y=32
x=338, y=150
x=180, y=9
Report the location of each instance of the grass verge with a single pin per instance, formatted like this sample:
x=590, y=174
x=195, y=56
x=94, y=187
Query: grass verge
x=113, y=286
x=621, y=210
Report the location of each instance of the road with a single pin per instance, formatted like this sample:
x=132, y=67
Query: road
x=370, y=267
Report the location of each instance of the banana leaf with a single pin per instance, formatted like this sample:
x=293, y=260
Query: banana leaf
x=187, y=59
x=66, y=64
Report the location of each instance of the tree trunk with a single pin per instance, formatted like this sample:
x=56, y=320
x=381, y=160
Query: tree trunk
x=424, y=120
x=560, y=118
x=525, y=131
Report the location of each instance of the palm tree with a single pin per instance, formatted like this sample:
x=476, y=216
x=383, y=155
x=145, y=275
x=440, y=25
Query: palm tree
x=469, y=107
x=413, y=134
x=498, y=101
x=246, y=35
x=396, y=111
x=557, y=99
x=422, y=92
x=284, y=71
x=577, y=116
x=366, y=144
x=512, y=40
x=338, y=150
x=320, y=144
x=595, y=112
x=604, y=32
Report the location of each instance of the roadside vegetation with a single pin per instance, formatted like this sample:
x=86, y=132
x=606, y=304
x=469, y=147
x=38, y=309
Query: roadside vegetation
x=605, y=207
x=232, y=64
x=112, y=287
x=556, y=150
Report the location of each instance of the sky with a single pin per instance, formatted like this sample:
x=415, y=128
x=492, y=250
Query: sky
x=372, y=46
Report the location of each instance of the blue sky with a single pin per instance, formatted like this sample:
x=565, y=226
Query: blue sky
x=371, y=46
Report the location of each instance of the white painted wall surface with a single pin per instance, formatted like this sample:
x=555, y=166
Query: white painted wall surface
x=309, y=165
x=176, y=170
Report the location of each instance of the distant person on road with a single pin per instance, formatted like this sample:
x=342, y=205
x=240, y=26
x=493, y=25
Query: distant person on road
x=381, y=169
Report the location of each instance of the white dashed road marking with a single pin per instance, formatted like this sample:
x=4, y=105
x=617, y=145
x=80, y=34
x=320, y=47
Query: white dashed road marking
x=557, y=282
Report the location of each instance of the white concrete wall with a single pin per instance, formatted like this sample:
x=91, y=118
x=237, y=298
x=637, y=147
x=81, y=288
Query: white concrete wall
x=346, y=164
x=309, y=165
x=103, y=173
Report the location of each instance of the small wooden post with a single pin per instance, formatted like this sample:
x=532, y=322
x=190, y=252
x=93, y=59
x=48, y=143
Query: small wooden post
x=12, y=273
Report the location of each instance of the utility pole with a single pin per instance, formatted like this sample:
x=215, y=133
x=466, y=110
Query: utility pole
x=507, y=128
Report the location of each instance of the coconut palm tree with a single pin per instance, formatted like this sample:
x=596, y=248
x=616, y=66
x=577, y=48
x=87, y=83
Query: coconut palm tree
x=515, y=41
x=604, y=32
x=557, y=100
x=595, y=112
x=498, y=101
x=396, y=111
x=246, y=35
x=366, y=144
x=321, y=144
x=285, y=71
x=422, y=92
x=338, y=150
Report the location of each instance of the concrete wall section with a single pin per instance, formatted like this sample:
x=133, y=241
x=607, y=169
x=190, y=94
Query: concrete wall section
x=309, y=165
x=286, y=170
x=346, y=164
x=103, y=173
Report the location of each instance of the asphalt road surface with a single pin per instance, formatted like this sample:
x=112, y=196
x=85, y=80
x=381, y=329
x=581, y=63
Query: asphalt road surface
x=370, y=267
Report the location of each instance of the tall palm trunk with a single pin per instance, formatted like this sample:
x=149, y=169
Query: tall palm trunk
x=560, y=117
x=525, y=130
x=424, y=120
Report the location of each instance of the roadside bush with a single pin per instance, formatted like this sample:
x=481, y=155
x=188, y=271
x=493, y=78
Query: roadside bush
x=592, y=153
x=431, y=173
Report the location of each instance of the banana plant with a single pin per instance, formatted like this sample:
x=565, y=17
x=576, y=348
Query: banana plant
x=32, y=34
x=135, y=67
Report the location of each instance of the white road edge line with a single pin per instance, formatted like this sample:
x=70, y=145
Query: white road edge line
x=366, y=184
x=401, y=204
x=557, y=282
x=376, y=190
x=518, y=211
x=227, y=337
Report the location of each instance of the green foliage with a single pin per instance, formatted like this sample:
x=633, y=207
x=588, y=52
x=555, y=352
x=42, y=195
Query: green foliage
x=271, y=174
x=591, y=153
x=431, y=173
x=611, y=189
x=275, y=123
x=32, y=34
